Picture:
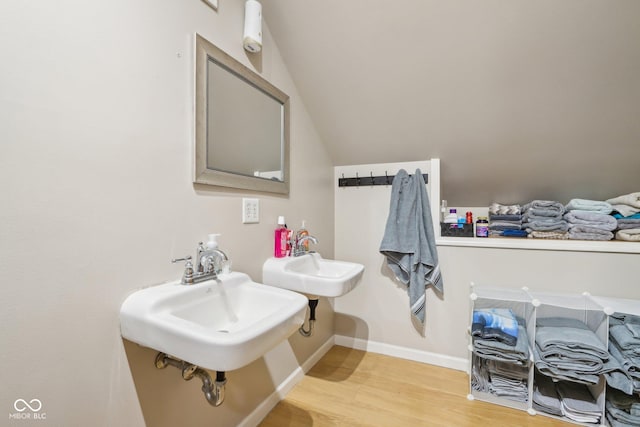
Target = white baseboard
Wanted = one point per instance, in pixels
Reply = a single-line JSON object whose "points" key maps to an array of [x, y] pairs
{"points": [[258, 414], [457, 363]]}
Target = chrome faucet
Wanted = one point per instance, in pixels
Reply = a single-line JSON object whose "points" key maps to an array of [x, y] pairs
{"points": [[299, 247], [207, 259], [208, 265]]}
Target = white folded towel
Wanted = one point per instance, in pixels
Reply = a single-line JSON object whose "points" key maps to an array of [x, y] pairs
{"points": [[588, 205], [630, 235], [627, 204]]}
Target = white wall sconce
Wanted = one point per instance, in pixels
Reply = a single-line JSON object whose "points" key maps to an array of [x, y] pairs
{"points": [[252, 36]]}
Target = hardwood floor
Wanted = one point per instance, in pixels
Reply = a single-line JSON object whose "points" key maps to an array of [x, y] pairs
{"points": [[354, 388]]}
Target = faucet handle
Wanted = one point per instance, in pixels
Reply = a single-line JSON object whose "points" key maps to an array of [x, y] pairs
{"points": [[187, 277]]}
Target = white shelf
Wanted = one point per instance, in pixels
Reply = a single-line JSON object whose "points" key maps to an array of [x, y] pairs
{"points": [[610, 246]]}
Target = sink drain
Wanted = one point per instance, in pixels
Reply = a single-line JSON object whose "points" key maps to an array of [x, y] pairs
{"points": [[224, 331]]}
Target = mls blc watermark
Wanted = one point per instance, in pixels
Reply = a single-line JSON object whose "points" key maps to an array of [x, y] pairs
{"points": [[31, 410]]}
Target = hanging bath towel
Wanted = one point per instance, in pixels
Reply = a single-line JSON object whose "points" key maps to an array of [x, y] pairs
{"points": [[409, 240]]}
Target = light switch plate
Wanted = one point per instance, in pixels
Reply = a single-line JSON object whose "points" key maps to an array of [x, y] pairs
{"points": [[250, 211]]}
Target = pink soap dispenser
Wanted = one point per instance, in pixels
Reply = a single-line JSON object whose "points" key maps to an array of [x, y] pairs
{"points": [[281, 239]]}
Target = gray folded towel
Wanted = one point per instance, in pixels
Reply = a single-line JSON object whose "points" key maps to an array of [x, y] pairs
{"points": [[504, 225], [591, 219], [545, 225], [508, 381], [620, 418], [567, 349], [509, 370], [545, 397], [506, 217], [626, 223], [577, 403], [545, 208], [551, 370], [570, 334], [500, 379], [625, 337], [589, 205], [497, 350], [619, 380], [624, 401], [583, 232], [630, 366]]}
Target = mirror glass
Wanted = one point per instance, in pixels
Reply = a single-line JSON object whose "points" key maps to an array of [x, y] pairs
{"points": [[241, 125]]}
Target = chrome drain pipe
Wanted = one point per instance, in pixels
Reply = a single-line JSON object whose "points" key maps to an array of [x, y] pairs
{"points": [[313, 303], [213, 390]]}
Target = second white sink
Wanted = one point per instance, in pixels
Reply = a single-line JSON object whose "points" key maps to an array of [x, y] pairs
{"points": [[312, 275]]}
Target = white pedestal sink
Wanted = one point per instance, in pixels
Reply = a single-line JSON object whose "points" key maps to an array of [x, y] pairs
{"points": [[221, 324], [312, 275]]}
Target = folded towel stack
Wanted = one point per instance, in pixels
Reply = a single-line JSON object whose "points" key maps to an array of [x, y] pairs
{"points": [[628, 227], [624, 346], [500, 354], [505, 218], [627, 222], [544, 215], [545, 397], [627, 204], [577, 403], [564, 398], [566, 349], [500, 379], [588, 225], [622, 409]]}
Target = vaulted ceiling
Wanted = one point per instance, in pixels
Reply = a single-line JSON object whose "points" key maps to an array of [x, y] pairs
{"points": [[520, 99]]}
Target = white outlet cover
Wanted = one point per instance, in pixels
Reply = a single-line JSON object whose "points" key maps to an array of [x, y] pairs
{"points": [[212, 3]]}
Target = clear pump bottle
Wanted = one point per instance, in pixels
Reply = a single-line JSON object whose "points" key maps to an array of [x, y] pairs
{"points": [[302, 233]]}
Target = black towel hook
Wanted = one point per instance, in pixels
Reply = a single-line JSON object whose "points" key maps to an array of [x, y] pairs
{"points": [[386, 175]]}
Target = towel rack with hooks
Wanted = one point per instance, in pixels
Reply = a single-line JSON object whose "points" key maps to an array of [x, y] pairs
{"points": [[358, 181]]}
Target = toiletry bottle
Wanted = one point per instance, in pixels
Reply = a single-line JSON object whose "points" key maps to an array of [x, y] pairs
{"points": [[289, 241], [482, 227], [452, 218], [300, 234], [212, 243], [443, 210], [281, 239]]}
